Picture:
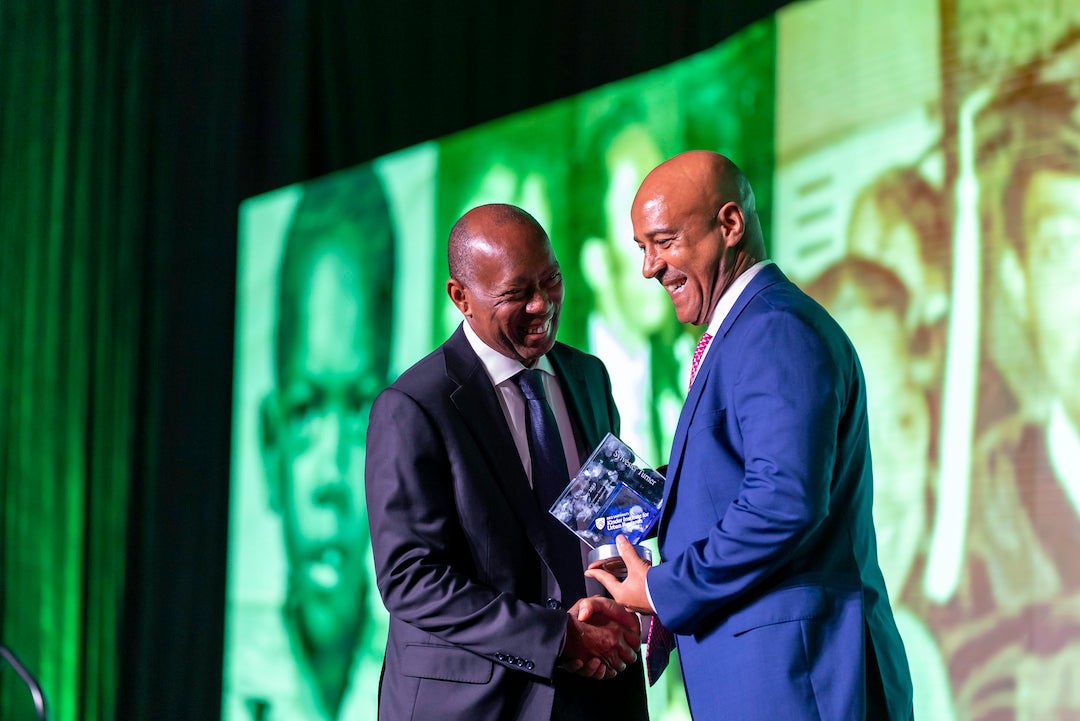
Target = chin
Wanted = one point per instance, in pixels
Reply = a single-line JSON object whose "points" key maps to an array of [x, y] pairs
{"points": [[532, 352], [328, 625]]}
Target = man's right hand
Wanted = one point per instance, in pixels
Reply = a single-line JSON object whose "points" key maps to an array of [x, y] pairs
{"points": [[601, 638]]}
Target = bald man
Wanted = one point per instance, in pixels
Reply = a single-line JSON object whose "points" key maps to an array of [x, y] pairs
{"points": [[769, 576], [487, 619]]}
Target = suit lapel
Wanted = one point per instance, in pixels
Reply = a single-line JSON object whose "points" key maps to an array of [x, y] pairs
{"points": [[581, 401], [766, 277], [678, 443], [481, 413]]}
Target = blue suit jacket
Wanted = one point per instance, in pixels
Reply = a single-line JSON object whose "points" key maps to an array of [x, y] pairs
{"points": [[770, 577]]}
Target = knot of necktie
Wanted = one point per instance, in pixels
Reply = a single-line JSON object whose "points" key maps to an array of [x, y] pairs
{"points": [[531, 383], [699, 352]]}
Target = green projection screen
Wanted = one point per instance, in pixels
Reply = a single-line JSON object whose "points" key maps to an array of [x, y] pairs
{"points": [[918, 169]]}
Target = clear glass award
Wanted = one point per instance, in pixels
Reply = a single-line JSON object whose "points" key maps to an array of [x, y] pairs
{"points": [[614, 493]]}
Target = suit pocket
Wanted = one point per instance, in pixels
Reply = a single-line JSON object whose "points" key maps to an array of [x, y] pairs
{"points": [[445, 663], [796, 603], [708, 421]]}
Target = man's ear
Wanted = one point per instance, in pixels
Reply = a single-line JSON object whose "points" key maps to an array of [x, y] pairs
{"points": [[732, 222], [459, 296], [270, 447]]}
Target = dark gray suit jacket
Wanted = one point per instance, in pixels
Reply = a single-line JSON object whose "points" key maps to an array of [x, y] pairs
{"points": [[458, 547]]}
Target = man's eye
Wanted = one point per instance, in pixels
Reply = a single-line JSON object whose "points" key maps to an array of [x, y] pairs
{"points": [[300, 409]]}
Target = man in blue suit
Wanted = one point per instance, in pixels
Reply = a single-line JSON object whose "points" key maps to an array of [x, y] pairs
{"points": [[770, 579]]}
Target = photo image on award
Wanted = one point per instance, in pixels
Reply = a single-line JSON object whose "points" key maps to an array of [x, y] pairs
{"points": [[614, 493]]}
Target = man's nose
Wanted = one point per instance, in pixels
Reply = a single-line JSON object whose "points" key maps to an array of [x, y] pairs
{"points": [[651, 263], [335, 444], [538, 302]]}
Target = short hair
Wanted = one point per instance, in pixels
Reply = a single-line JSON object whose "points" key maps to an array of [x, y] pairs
{"points": [[354, 201], [876, 285], [1032, 124], [460, 247], [902, 195]]}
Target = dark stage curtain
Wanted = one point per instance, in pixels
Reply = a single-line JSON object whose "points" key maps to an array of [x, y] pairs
{"points": [[129, 133]]}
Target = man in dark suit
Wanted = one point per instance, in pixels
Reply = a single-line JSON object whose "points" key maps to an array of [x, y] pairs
{"points": [[770, 578], [487, 619]]}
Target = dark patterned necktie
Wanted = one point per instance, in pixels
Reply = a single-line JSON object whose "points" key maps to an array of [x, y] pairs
{"points": [[549, 479]]}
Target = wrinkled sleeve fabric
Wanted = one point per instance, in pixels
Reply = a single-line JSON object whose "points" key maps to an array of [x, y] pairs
{"points": [[426, 558]]}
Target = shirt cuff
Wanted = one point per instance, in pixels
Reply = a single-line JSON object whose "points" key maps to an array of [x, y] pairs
{"points": [[649, 595]]}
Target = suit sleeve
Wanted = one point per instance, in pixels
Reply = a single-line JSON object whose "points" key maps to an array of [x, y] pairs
{"points": [[424, 559], [785, 403]]}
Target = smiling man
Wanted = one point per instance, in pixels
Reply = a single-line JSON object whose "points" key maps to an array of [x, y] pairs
{"points": [[484, 587], [770, 578]]}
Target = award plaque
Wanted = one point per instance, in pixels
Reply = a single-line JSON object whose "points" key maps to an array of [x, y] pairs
{"points": [[614, 492]]}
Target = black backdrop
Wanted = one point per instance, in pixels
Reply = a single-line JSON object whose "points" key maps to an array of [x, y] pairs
{"points": [[154, 120]]}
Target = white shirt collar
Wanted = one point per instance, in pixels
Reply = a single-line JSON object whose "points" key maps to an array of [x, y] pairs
{"points": [[500, 368], [727, 300]]}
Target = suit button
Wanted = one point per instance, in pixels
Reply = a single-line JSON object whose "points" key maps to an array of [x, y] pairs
{"points": [[553, 604], [529, 665], [500, 657], [519, 662]]}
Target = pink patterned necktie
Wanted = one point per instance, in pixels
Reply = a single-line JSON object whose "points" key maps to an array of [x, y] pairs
{"points": [[698, 353], [660, 640]]}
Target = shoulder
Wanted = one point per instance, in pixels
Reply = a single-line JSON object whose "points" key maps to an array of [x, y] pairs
{"points": [[569, 354], [424, 373], [426, 383], [575, 363], [784, 326]]}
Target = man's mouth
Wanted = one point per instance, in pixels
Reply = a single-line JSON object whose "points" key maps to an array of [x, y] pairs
{"points": [[324, 568], [675, 285], [538, 328]]}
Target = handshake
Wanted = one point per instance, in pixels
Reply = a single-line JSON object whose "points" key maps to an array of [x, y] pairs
{"points": [[602, 638]]}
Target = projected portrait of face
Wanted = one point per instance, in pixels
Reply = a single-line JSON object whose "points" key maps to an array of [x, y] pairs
{"points": [[870, 303], [1030, 157], [1051, 261], [333, 330], [611, 262], [898, 220], [631, 325]]}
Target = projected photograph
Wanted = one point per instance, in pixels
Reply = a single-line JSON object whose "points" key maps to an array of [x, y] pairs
{"points": [[306, 626], [917, 167]]}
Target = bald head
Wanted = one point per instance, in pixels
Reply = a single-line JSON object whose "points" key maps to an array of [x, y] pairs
{"points": [[695, 218], [701, 182], [477, 232]]}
